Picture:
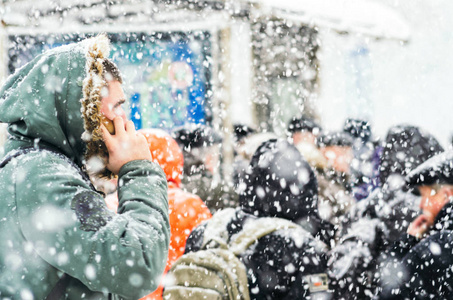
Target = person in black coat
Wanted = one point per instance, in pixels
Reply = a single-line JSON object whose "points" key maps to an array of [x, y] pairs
{"points": [[365, 162], [201, 148], [419, 265], [279, 184], [374, 224]]}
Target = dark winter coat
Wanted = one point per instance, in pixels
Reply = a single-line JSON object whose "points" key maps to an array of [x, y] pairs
{"points": [[373, 224], [334, 195], [414, 269], [52, 219], [276, 264], [279, 183], [405, 148]]}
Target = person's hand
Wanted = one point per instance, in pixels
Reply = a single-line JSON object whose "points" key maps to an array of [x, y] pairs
{"points": [[419, 226], [125, 145]]}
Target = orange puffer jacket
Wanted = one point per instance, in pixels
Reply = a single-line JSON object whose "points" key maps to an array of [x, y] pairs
{"points": [[186, 210]]}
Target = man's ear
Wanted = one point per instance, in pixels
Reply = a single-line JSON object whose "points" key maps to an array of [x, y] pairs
{"points": [[448, 190]]}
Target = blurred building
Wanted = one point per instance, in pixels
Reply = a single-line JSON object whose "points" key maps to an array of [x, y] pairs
{"points": [[197, 61]]}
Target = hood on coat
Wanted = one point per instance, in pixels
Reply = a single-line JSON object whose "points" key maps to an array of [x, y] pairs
{"points": [[405, 148], [55, 99], [436, 170], [279, 183], [166, 153]]}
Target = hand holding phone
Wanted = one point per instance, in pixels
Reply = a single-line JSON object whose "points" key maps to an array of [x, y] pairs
{"points": [[125, 145]]}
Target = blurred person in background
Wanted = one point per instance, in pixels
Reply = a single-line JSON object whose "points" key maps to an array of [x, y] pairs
{"points": [[200, 145], [280, 186], [241, 133], [58, 238], [419, 265], [335, 198], [366, 154], [304, 133], [377, 222]]}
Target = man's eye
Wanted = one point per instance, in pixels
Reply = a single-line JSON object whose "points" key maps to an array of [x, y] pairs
{"points": [[118, 109]]}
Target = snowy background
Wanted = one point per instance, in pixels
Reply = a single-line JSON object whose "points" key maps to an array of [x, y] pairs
{"points": [[410, 83], [385, 81]]}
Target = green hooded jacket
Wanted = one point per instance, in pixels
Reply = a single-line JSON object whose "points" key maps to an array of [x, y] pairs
{"points": [[52, 220]]}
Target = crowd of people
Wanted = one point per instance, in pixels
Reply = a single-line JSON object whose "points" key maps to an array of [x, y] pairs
{"points": [[379, 207], [94, 209]]}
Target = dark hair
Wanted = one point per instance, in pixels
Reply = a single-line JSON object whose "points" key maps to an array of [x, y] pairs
{"points": [[241, 131], [112, 69], [303, 123], [279, 183], [358, 128], [196, 136], [338, 138]]}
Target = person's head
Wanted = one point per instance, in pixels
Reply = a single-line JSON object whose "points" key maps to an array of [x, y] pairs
{"points": [[337, 149], [201, 147], [103, 96], [434, 181], [252, 142], [241, 132], [56, 101], [279, 183], [405, 147], [358, 129], [166, 153], [303, 129]]}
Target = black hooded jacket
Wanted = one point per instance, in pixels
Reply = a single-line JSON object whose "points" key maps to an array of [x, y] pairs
{"points": [[415, 269], [276, 264], [280, 184], [386, 214]]}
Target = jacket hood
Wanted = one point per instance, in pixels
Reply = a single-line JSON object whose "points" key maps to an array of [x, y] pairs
{"points": [[55, 99], [166, 153], [405, 148], [436, 170], [279, 183]]}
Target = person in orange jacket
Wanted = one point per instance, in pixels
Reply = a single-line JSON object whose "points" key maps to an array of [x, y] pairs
{"points": [[186, 210]]}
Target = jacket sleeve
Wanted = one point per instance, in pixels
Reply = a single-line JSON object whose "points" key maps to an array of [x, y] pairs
{"points": [[424, 272], [395, 269], [401, 247], [70, 227]]}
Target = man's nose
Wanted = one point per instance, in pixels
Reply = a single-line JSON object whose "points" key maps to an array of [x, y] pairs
{"points": [[423, 203], [122, 114]]}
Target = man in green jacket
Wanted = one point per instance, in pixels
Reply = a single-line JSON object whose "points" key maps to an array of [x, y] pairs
{"points": [[58, 240]]}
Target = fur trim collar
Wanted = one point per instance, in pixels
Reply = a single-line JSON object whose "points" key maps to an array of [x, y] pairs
{"points": [[94, 84]]}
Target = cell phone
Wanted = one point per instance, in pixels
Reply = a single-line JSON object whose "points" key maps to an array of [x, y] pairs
{"points": [[108, 124]]}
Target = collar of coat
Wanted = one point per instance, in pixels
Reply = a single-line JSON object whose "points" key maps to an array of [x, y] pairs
{"points": [[444, 220]]}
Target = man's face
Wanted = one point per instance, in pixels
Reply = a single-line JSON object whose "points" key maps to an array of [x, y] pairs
{"points": [[210, 156], [111, 102], [304, 136], [339, 157], [434, 199]]}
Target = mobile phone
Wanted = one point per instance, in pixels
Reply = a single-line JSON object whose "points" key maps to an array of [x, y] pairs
{"points": [[108, 124]]}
